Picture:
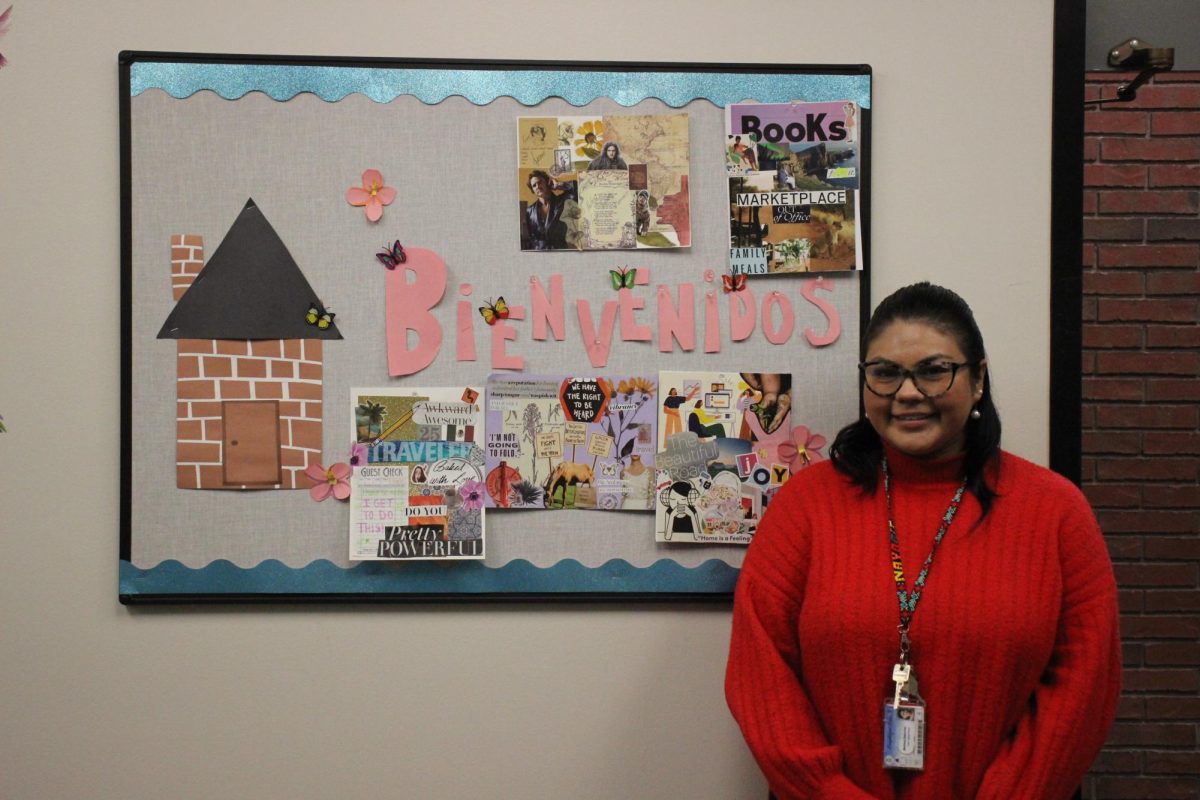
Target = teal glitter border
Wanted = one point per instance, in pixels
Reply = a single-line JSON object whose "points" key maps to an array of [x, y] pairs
{"points": [[482, 86], [519, 576]]}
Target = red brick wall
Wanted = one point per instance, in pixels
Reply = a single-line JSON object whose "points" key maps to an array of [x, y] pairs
{"points": [[1141, 417]]}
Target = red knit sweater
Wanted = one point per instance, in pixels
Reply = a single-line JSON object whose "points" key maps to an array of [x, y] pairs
{"points": [[1014, 640]]}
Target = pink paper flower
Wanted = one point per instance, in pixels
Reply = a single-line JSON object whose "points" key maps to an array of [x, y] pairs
{"points": [[372, 194], [333, 481], [803, 449], [358, 454], [471, 493]]}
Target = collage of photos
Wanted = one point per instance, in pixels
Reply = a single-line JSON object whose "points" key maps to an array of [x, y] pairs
{"points": [[604, 183], [416, 480], [705, 451], [560, 442], [721, 462], [793, 173]]}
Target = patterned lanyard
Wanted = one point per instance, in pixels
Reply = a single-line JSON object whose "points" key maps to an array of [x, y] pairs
{"points": [[908, 602]]}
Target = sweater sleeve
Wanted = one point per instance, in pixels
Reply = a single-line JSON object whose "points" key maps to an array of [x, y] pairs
{"points": [[762, 682], [1068, 717]]}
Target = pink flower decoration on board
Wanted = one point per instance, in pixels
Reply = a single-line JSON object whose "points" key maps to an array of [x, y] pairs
{"points": [[372, 194], [803, 449], [333, 481], [471, 493], [358, 454]]}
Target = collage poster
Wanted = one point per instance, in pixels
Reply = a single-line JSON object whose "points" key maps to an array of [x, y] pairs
{"points": [[604, 182], [719, 464], [793, 172], [416, 482], [559, 442]]}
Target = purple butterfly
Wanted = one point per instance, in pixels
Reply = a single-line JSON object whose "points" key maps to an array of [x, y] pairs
{"points": [[4, 20], [391, 256]]}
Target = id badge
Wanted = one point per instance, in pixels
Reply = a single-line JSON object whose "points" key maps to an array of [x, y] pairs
{"points": [[904, 735]]}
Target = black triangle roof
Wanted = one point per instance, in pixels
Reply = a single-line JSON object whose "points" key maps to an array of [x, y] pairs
{"points": [[251, 288]]}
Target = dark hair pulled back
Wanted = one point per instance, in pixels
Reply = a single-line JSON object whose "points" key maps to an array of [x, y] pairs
{"points": [[857, 451]]}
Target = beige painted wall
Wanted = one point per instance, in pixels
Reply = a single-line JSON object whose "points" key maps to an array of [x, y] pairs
{"points": [[476, 701]]}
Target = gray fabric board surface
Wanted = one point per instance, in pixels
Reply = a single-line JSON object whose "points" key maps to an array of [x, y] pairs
{"points": [[195, 162]]}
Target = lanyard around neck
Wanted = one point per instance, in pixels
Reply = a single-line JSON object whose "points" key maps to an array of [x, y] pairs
{"points": [[908, 602]]}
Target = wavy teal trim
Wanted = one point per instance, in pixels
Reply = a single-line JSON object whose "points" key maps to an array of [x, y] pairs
{"points": [[426, 577], [482, 86]]}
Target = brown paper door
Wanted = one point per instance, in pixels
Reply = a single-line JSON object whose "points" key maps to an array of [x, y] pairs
{"points": [[251, 443]]}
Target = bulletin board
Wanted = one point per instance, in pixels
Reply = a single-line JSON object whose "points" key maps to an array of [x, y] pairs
{"points": [[315, 172]]}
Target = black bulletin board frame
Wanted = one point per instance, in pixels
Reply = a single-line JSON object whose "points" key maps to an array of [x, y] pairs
{"points": [[190, 588]]}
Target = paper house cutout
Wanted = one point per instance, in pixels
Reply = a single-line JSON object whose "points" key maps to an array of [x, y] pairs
{"points": [[249, 365]]}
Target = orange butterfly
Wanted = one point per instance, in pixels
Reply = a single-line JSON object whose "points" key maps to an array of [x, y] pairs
{"points": [[491, 312], [733, 283]]}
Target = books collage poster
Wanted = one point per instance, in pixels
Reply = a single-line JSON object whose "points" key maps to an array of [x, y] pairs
{"points": [[793, 172]]}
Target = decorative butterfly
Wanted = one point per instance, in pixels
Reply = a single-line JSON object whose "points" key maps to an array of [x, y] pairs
{"points": [[733, 283], [491, 313], [318, 316], [391, 256], [622, 278], [5, 18]]}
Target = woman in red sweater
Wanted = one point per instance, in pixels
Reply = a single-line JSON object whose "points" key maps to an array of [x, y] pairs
{"points": [[922, 549]]}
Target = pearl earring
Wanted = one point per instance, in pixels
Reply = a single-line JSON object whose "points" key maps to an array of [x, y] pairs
{"points": [[975, 413]]}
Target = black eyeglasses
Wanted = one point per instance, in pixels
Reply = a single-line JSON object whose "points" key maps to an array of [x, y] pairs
{"points": [[933, 380]]}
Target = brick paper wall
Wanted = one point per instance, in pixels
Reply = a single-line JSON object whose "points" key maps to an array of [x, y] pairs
{"points": [[287, 370], [1141, 417], [187, 259]]}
